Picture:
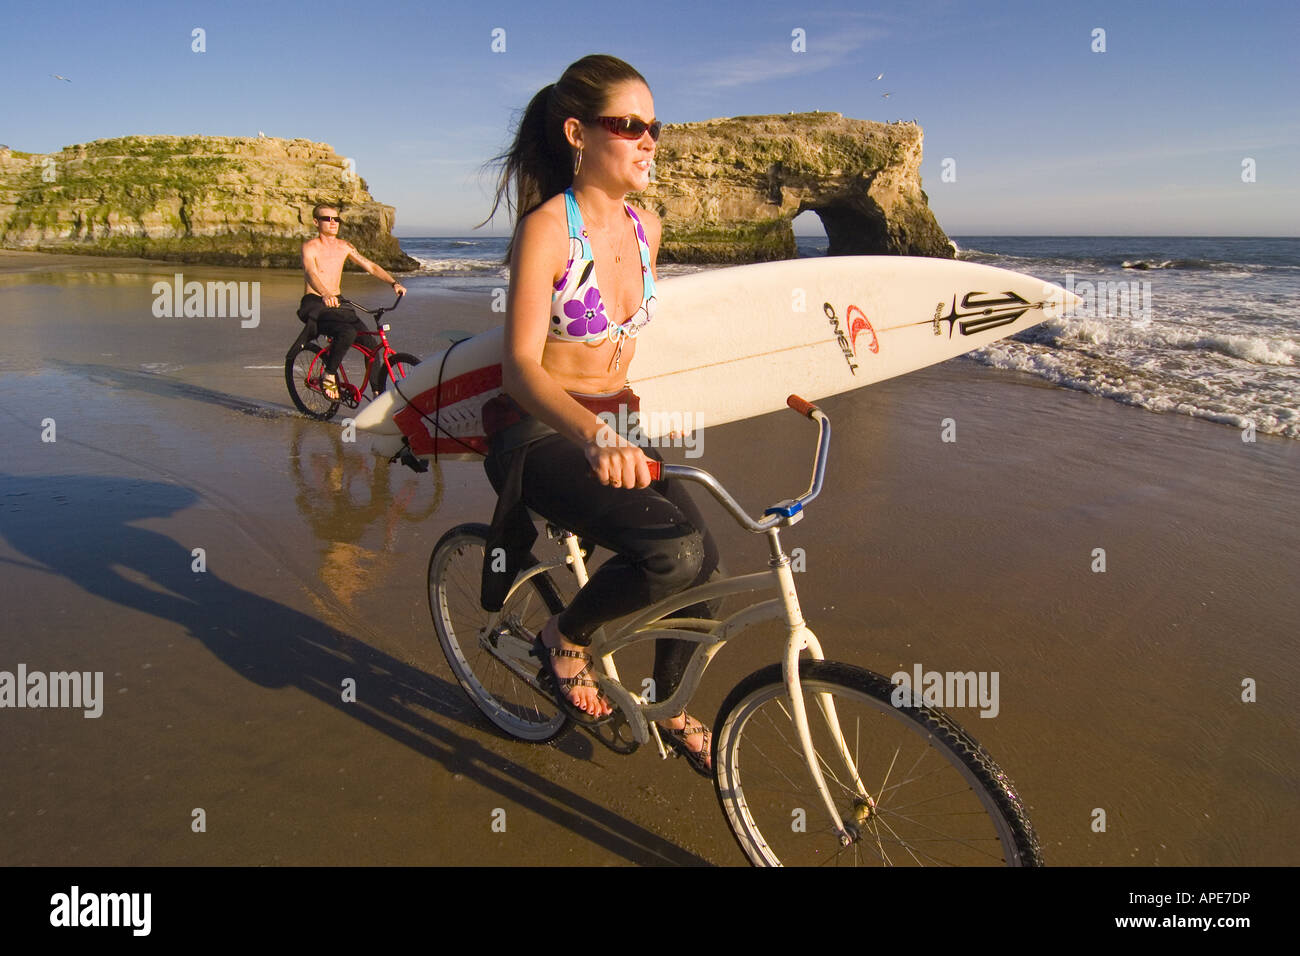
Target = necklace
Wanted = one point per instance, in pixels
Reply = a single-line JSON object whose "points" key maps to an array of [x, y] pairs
{"points": [[622, 239]]}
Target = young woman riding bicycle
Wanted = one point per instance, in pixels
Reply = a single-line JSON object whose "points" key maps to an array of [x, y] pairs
{"points": [[582, 273]]}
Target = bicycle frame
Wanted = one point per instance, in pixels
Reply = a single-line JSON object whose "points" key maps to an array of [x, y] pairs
{"points": [[381, 350], [711, 635]]}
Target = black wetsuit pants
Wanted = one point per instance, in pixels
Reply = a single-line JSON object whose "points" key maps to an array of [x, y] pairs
{"points": [[341, 323], [660, 543]]}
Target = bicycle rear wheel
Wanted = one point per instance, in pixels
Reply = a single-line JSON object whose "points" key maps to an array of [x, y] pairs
{"points": [[302, 372], [469, 635], [934, 797]]}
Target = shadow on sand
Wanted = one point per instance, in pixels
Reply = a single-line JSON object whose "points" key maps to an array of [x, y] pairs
{"points": [[275, 646], [160, 385]]}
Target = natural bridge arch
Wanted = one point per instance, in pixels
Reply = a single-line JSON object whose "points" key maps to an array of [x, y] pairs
{"points": [[729, 189]]}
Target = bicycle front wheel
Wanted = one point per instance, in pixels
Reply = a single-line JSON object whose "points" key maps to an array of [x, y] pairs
{"points": [[401, 364], [474, 639], [911, 787]]}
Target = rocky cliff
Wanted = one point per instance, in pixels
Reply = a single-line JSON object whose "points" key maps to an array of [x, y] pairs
{"points": [[728, 189], [215, 199]]}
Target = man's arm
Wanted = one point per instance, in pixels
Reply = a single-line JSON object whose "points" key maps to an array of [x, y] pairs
{"points": [[375, 270]]}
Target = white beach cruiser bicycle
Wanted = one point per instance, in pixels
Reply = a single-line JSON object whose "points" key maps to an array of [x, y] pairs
{"points": [[814, 763]]}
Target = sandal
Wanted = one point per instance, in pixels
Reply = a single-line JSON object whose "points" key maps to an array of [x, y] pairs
{"points": [[701, 760], [329, 386], [559, 685]]}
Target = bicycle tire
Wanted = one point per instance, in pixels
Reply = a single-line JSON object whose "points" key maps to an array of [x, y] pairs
{"points": [[455, 575], [960, 808], [300, 366], [400, 362]]}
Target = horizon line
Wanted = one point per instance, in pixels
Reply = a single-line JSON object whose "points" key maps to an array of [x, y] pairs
{"points": [[951, 235]]}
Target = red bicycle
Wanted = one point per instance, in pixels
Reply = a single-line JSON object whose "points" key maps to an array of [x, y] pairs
{"points": [[368, 363]]}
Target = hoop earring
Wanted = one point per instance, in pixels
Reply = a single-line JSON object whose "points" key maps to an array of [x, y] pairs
{"points": [[577, 162]]}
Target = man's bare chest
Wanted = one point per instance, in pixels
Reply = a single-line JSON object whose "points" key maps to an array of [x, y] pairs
{"points": [[330, 259]]}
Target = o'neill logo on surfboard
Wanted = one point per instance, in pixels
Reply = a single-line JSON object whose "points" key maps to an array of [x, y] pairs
{"points": [[856, 323], [986, 313]]}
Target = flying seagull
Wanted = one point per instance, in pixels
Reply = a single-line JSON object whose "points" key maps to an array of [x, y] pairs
{"points": [[880, 76], [885, 96], [63, 78]]}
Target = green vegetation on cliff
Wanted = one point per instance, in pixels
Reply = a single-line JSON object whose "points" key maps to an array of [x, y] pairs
{"points": [[765, 241], [226, 200]]}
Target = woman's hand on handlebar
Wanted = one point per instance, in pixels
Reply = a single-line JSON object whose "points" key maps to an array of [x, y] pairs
{"points": [[616, 461]]}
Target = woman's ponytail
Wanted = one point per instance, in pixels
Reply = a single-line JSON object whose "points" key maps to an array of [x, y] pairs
{"points": [[539, 163]]}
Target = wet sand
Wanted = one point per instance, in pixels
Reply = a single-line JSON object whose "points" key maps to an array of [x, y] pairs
{"points": [[224, 688]]}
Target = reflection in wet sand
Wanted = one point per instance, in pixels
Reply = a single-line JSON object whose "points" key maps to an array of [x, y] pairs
{"points": [[343, 495]]}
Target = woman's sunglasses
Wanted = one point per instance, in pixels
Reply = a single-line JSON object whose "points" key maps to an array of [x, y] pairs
{"points": [[630, 127]]}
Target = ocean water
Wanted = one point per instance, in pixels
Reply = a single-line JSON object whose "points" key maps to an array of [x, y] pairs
{"points": [[470, 263], [475, 263], [1200, 326]]}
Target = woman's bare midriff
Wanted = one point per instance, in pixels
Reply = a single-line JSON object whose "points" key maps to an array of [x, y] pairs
{"points": [[579, 367]]}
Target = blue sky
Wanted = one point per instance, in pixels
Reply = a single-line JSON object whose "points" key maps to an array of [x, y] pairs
{"points": [[1046, 136]]}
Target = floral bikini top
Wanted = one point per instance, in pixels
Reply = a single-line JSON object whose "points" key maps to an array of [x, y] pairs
{"points": [[577, 309]]}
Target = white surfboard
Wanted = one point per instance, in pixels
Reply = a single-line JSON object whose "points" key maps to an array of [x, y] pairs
{"points": [[730, 344]]}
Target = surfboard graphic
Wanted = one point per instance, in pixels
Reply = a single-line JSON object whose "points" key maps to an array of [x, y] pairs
{"points": [[731, 344]]}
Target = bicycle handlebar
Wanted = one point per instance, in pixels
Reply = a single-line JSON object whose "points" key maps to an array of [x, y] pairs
{"points": [[375, 312], [779, 513]]}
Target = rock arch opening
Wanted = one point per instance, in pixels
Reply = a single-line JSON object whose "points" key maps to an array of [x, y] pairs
{"points": [[852, 229], [809, 234]]}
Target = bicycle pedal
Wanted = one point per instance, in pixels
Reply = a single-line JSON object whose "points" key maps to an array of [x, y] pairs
{"points": [[407, 458]]}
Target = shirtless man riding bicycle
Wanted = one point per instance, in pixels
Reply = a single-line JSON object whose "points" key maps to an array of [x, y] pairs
{"points": [[323, 259]]}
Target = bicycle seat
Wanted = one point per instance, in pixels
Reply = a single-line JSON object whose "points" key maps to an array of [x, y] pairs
{"points": [[555, 531], [308, 333]]}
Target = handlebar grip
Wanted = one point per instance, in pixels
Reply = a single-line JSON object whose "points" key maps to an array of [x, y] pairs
{"points": [[801, 406]]}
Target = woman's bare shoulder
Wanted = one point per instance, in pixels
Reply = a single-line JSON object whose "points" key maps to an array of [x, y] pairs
{"points": [[541, 244], [546, 220], [542, 234]]}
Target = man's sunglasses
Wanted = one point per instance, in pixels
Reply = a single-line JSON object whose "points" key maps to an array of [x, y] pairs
{"points": [[630, 127], [328, 219]]}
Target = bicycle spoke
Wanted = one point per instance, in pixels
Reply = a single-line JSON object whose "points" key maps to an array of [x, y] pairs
{"points": [[910, 844], [794, 746], [795, 792]]}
